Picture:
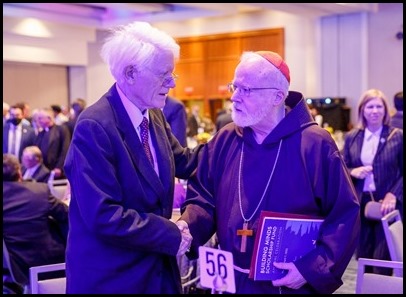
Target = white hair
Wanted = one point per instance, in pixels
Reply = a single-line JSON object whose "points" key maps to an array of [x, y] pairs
{"points": [[135, 44]]}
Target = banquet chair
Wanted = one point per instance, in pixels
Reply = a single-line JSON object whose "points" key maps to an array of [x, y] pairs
{"points": [[42, 285], [393, 228], [58, 187], [371, 283], [14, 280]]}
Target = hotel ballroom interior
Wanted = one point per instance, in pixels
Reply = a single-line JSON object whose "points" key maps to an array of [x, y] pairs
{"points": [[335, 52]]}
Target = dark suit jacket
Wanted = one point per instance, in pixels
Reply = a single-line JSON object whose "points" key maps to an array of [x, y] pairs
{"points": [[54, 146], [120, 237], [222, 120], [27, 138], [397, 120], [192, 126], [26, 230], [387, 164], [41, 174], [175, 113]]}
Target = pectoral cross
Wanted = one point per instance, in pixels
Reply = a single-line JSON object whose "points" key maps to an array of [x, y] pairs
{"points": [[244, 232]]}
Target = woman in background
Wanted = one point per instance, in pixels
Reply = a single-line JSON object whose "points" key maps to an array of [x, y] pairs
{"points": [[373, 153]]}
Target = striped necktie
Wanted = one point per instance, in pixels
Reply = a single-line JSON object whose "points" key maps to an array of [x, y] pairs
{"points": [[144, 139]]}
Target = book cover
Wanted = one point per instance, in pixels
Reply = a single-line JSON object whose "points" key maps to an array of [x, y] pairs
{"points": [[281, 237]]}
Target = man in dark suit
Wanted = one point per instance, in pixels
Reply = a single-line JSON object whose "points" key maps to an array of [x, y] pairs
{"points": [[193, 121], [397, 119], [175, 114], [121, 166], [17, 135], [225, 117], [53, 141], [33, 166], [77, 106], [27, 207]]}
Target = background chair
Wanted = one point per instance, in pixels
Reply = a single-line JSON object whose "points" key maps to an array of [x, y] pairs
{"points": [[370, 283], [14, 281], [393, 227], [58, 187], [48, 285]]}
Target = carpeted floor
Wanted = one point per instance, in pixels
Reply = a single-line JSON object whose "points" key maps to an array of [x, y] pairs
{"points": [[349, 278]]}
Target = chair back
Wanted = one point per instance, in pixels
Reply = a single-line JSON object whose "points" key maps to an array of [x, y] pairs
{"points": [[16, 274], [56, 285], [393, 228], [370, 283], [58, 187]]}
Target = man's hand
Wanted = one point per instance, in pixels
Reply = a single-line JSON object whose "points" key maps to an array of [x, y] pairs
{"points": [[292, 280], [186, 237]]}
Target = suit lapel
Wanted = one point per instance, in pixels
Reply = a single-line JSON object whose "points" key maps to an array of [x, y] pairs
{"points": [[133, 143], [359, 139], [383, 139]]}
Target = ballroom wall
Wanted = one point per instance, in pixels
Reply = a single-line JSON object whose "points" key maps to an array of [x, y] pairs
{"points": [[340, 55]]}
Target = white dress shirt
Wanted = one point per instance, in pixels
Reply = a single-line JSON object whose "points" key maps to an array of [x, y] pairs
{"points": [[18, 130]]}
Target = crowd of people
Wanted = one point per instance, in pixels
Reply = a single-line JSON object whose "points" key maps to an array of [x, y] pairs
{"points": [[124, 153], [46, 128], [34, 151]]}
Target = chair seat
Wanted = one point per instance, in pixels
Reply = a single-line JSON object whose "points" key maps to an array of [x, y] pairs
{"points": [[56, 285], [383, 284], [370, 283], [52, 286]]}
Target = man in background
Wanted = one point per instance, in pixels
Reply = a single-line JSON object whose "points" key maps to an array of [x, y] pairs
{"points": [[53, 141], [397, 118], [225, 117], [59, 117], [193, 121], [33, 166], [29, 215], [77, 107], [175, 113], [16, 134], [25, 107]]}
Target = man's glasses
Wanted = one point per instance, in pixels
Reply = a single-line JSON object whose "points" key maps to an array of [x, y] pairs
{"points": [[232, 88], [166, 78], [173, 77]]}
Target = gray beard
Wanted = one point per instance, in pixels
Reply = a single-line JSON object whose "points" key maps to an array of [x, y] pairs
{"points": [[247, 120]]}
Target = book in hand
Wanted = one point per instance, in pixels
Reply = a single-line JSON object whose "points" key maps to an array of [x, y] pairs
{"points": [[281, 237]]}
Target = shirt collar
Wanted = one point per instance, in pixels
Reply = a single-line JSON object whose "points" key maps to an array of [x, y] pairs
{"points": [[369, 134], [16, 127], [33, 169], [133, 111]]}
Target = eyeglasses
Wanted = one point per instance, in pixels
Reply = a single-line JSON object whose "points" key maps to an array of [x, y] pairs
{"points": [[166, 78], [169, 79], [232, 88]]}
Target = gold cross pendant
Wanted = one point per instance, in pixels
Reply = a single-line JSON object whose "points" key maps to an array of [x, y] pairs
{"points": [[244, 232]]}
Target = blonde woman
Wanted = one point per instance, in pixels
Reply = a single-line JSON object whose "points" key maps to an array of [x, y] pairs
{"points": [[373, 153]]}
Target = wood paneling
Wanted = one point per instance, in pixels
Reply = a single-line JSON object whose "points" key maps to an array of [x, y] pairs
{"points": [[207, 64]]}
